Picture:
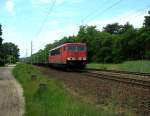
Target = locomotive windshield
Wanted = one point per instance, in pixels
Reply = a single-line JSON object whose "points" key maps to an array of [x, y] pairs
{"points": [[76, 48]]}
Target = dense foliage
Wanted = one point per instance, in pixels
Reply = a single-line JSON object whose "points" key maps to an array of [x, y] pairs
{"points": [[9, 52], [114, 44], [1, 48]]}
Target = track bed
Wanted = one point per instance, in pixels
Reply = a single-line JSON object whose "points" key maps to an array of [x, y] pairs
{"points": [[102, 92]]}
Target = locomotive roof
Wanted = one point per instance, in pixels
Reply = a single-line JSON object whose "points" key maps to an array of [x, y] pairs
{"points": [[77, 43]]}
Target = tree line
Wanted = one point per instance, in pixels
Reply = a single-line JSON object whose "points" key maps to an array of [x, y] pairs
{"points": [[9, 52], [114, 44]]}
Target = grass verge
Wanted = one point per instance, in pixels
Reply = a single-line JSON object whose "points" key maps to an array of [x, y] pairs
{"points": [[132, 66], [48, 97]]}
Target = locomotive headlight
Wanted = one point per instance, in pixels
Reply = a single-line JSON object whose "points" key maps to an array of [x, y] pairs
{"points": [[84, 58], [70, 58], [80, 58]]}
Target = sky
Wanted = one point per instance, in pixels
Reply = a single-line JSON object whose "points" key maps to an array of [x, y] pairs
{"points": [[44, 21]]}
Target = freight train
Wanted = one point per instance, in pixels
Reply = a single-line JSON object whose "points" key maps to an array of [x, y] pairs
{"points": [[67, 55]]}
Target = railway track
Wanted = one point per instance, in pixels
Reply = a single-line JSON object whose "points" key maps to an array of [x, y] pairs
{"points": [[119, 71], [138, 79]]}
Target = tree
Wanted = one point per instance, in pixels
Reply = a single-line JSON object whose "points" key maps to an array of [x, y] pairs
{"points": [[1, 47], [88, 35], [126, 27], [64, 40], [112, 28], [147, 20], [11, 52], [1, 35]]}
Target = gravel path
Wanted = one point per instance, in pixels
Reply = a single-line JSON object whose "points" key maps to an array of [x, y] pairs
{"points": [[11, 94]]}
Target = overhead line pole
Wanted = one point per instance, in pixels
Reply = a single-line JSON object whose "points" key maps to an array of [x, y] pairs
{"points": [[31, 51], [26, 55]]}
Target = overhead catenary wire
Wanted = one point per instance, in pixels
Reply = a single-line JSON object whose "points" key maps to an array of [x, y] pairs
{"points": [[137, 11], [134, 14], [92, 12], [50, 10], [45, 19], [37, 48], [104, 10], [100, 13], [140, 11]]}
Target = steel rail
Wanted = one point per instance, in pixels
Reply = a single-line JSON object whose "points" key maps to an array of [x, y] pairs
{"points": [[119, 71], [132, 81]]}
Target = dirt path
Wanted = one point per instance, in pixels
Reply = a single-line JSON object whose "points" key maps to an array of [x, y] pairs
{"points": [[11, 94]]}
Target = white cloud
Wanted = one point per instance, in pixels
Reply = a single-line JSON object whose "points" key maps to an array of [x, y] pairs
{"points": [[77, 1], [10, 6], [64, 14], [45, 1], [49, 36], [10, 34], [136, 19], [54, 23], [58, 2]]}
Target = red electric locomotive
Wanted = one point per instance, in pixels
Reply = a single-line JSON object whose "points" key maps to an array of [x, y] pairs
{"points": [[72, 55]]}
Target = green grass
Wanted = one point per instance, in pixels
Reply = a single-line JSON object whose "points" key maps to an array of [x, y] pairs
{"points": [[52, 100], [102, 66], [133, 66]]}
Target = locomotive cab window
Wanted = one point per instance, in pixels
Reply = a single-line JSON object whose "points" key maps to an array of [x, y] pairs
{"points": [[81, 48], [72, 48], [76, 48], [55, 52]]}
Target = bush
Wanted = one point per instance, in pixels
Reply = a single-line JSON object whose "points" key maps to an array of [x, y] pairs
{"points": [[147, 55]]}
